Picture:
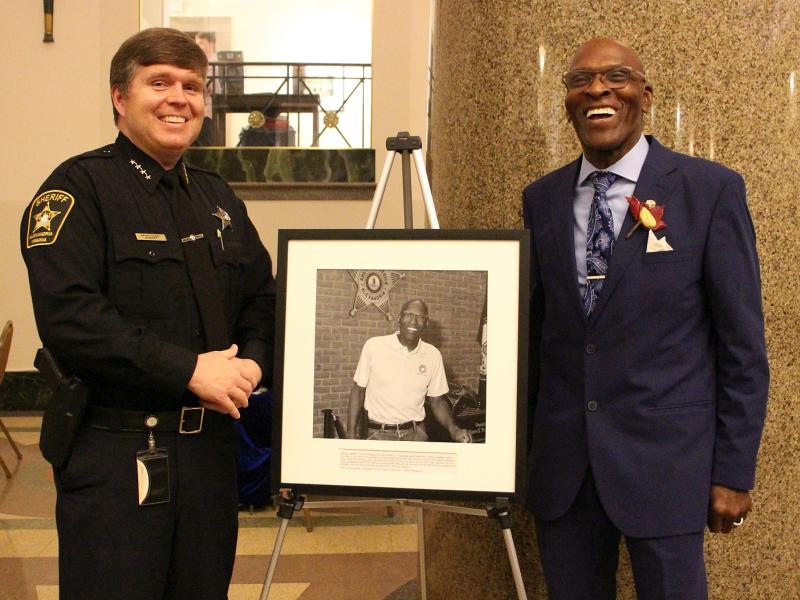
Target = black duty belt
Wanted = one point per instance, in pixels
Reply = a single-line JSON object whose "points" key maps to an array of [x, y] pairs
{"points": [[406, 425], [188, 419]]}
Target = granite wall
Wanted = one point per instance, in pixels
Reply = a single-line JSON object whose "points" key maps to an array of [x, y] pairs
{"points": [[724, 74]]}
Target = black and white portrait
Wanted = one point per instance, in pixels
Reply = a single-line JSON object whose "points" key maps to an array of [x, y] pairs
{"points": [[398, 355]]}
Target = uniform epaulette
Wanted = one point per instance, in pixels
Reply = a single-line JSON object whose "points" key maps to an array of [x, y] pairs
{"points": [[103, 152]]}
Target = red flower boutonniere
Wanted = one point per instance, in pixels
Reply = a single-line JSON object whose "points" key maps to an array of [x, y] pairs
{"points": [[647, 214]]}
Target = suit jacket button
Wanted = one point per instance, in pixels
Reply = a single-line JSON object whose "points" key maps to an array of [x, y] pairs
{"points": [[591, 348], [591, 405]]}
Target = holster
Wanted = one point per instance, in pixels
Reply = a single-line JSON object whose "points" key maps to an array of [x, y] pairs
{"points": [[64, 413]]}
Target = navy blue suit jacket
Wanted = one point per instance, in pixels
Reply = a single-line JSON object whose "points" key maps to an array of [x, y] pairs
{"points": [[663, 390]]}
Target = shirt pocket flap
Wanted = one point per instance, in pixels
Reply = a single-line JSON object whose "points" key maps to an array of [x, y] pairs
{"points": [[227, 253], [127, 247]]}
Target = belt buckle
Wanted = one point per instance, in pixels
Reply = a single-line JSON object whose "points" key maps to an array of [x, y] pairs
{"points": [[199, 427]]}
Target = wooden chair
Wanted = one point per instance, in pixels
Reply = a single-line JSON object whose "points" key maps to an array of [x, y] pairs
{"points": [[5, 347]]}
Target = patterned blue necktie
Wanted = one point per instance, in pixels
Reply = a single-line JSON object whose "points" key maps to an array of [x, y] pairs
{"points": [[599, 239]]}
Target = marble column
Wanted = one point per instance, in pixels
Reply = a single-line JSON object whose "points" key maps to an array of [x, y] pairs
{"points": [[725, 79]]}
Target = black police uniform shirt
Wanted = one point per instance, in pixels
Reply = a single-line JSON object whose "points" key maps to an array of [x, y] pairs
{"points": [[111, 291]]}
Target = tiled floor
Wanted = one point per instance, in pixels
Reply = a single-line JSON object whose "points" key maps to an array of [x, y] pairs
{"points": [[367, 556]]}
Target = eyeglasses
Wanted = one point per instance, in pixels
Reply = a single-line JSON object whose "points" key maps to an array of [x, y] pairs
{"points": [[409, 316], [614, 78]]}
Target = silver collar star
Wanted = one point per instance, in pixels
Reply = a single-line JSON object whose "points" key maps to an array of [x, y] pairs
{"points": [[141, 169], [224, 218]]}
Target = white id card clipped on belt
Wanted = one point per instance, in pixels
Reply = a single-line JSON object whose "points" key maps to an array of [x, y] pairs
{"points": [[152, 470]]}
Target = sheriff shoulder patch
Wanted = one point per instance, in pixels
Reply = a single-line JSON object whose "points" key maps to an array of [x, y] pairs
{"points": [[46, 215]]}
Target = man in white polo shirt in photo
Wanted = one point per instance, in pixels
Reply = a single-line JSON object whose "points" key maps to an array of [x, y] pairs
{"points": [[395, 374]]}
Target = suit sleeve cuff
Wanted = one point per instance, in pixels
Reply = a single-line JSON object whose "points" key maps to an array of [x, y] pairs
{"points": [[734, 480], [176, 367], [259, 351]]}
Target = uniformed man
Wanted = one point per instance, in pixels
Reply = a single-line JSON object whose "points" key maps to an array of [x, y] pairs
{"points": [[150, 283], [394, 375]]}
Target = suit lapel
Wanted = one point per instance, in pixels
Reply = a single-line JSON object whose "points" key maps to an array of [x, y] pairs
{"points": [[563, 194], [656, 181]]}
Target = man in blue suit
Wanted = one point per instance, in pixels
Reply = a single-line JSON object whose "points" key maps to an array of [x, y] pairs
{"points": [[649, 367]]}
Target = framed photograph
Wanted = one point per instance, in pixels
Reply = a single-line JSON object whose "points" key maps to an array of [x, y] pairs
{"points": [[401, 363]]}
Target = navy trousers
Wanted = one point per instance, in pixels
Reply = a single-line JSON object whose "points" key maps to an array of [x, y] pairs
{"points": [[580, 553]]}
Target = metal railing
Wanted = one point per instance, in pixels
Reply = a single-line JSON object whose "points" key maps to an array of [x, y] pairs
{"points": [[290, 104]]}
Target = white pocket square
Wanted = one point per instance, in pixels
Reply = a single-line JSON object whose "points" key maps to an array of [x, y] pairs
{"points": [[657, 245]]}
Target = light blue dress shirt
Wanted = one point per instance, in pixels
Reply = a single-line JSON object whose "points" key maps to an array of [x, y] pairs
{"points": [[627, 170]]}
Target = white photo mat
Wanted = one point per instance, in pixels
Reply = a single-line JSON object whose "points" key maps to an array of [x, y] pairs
{"points": [[488, 468]]}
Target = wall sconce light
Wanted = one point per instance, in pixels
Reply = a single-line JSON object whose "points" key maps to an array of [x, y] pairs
{"points": [[48, 21]]}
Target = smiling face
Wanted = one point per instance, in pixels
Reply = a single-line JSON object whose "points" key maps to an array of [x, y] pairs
{"points": [[161, 111], [412, 322], [608, 121]]}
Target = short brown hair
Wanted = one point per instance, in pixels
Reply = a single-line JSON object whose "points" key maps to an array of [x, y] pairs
{"points": [[155, 46]]}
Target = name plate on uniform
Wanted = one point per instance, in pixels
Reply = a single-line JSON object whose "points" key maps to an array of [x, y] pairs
{"points": [[151, 237]]}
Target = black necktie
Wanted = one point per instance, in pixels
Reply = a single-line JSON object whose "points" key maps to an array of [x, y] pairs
{"points": [[197, 254]]}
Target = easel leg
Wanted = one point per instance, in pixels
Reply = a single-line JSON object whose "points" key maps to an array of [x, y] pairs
{"points": [[514, 561], [425, 186], [286, 510], [423, 584], [500, 512], [408, 217], [307, 519], [380, 189]]}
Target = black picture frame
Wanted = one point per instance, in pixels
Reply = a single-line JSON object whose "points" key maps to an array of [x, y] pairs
{"points": [[309, 463]]}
